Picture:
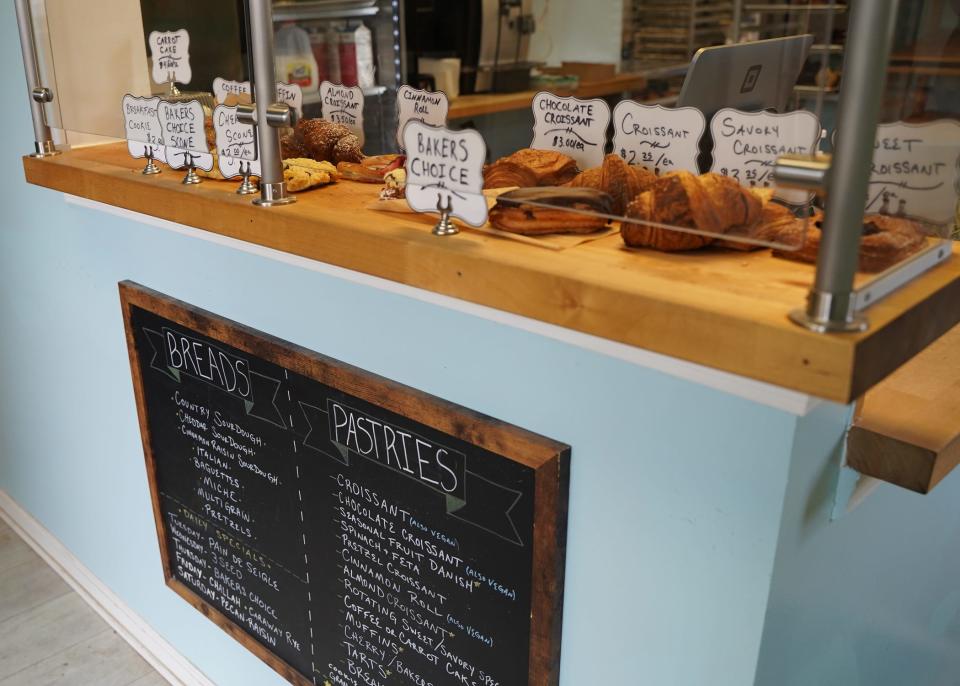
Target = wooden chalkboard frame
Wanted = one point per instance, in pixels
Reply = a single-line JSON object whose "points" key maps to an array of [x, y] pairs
{"points": [[549, 459]]}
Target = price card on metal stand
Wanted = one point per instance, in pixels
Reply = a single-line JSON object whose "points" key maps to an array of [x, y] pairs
{"points": [[170, 51], [746, 146], [343, 105], [445, 172], [184, 135], [577, 128], [658, 138], [224, 88], [142, 128], [915, 170], [236, 144], [414, 104]]}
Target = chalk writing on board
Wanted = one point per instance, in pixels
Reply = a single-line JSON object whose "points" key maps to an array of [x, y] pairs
{"points": [[915, 170], [445, 168], [577, 128], [170, 52], [657, 138], [414, 104], [746, 146], [356, 545]]}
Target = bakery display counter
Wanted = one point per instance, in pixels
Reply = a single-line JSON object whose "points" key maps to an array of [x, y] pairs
{"points": [[724, 310], [907, 428]]}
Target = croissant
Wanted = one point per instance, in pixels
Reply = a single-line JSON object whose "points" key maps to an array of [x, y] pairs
{"points": [[777, 224], [710, 203], [617, 178], [323, 141], [540, 168]]}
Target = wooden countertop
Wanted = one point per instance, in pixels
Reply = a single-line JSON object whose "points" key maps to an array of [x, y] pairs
{"points": [[477, 105], [725, 310], [907, 429]]}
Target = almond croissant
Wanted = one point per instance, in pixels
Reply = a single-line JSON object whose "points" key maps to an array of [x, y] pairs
{"points": [[710, 203]]}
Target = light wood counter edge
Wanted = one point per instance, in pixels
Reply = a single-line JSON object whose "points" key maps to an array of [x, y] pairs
{"points": [[907, 428], [576, 288]]}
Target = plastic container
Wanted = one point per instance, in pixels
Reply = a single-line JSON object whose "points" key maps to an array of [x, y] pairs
{"points": [[295, 62], [356, 57]]}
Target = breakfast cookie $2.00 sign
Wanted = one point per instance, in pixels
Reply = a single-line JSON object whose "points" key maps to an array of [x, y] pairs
{"points": [[445, 170]]}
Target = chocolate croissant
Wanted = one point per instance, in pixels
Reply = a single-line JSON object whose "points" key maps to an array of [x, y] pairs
{"points": [[710, 203], [617, 178], [528, 168], [536, 211], [323, 141]]}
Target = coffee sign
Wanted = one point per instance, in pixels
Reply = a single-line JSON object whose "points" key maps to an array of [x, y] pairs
{"points": [[343, 105], [414, 104], [660, 139], [170, 51], [746, 146], [915, 170], [445, 170], [577, 128], [223, 88]]}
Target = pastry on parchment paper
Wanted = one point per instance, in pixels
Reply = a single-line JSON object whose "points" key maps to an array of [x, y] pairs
{"points": [[301, 174], [538, 211]]}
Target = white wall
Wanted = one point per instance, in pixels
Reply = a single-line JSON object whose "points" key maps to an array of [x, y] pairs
{"points": [[577, 31]]}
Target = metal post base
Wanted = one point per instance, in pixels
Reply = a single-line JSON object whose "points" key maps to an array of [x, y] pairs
{"points": [[830, 313], [272, 194], [151, 168], [247, 187], [44, 149], [445, 227], [191, 179]]}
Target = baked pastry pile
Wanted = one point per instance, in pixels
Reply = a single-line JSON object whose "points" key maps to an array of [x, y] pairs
{"points": [[303, 174], [321, 140], [620, 180], [530, 168]]}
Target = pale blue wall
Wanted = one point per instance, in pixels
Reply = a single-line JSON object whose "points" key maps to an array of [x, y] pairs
{"points": [[676, 490]]}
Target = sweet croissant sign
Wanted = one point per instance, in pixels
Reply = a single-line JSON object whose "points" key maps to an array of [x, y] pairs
{"points": [[445, 170]]}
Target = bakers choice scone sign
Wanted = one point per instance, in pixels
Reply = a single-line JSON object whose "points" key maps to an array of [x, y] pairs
{"points": [[445, 170]]}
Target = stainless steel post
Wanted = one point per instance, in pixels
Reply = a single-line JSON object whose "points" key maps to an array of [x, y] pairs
{"points": [[273, 190], [39, 94], [831, 304], [736, 20]]}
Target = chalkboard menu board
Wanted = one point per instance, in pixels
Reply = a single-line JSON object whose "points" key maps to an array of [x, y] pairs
{"points": [[348, 530]]}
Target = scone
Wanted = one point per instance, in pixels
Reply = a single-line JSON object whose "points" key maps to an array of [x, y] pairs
{"points": [[302, 174]]}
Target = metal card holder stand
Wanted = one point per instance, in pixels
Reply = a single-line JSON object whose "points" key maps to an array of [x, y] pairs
{"points": [[151, 169], [445, 226], [247, 186], [39, 94], [192, 178]]}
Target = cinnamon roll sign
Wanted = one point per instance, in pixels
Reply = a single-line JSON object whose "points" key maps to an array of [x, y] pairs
{"points": [[575, 127]]}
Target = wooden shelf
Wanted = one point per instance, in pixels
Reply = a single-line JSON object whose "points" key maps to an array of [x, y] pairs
{"points": [[491, 103], [725, 310], [907, 430]]}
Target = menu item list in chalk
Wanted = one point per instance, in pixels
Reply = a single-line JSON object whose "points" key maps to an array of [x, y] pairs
{"points": [[344, 528]]}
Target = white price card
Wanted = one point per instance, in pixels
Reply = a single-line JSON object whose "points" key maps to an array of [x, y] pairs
{"points": [[343, 105], [915, 170], [746, 146], [184, 135], [236, 144], [222, 88], [414, 104], [142, 127], [658, 138], [290, 94], [577, 128], [445, 169], [170, 51]]}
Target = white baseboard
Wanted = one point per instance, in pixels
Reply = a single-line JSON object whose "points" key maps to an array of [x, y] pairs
{"points": [[162, 656]]}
